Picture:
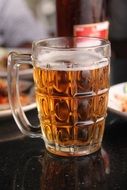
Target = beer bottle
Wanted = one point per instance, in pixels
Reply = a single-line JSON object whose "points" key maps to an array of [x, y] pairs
{"points": [[82, 18]]}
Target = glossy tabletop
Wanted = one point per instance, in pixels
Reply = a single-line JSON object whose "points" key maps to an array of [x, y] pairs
{"points": [[26, 165]]}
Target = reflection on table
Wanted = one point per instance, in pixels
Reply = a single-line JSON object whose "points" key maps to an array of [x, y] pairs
{"points": [[49, 172]]}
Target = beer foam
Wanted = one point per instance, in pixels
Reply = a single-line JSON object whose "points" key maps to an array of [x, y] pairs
{"points": [[71, 60]]}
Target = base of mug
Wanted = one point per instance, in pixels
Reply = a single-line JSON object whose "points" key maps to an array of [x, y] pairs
{"points": [[73, 151]]}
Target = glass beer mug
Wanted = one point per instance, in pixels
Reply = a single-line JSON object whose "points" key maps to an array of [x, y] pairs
{"points": [[71, 77]]}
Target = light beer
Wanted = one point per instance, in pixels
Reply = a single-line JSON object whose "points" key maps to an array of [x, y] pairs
{"points": [[71, 79], [72, 104]]}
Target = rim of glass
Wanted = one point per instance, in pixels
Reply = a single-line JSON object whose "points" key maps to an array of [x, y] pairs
{"points": [[37, 43]]}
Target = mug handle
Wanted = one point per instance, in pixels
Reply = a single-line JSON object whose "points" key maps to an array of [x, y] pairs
{"points": [[15, 60]]}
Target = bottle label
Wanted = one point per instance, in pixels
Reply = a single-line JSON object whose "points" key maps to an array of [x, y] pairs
{"points": [[93, 30]]}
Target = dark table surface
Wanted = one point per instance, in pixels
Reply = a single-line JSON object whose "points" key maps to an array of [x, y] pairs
{"points": [[26, 165]]}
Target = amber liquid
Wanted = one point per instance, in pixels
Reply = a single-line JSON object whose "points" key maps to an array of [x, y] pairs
{"points": [[72, 105]]}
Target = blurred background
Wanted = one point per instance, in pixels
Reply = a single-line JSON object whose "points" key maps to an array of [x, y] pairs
{"points": [[45, 11], [24, 21], [19, 17]]}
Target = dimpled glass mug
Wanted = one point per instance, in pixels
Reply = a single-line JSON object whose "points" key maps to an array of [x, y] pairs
{"points": [[71, 76]]}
